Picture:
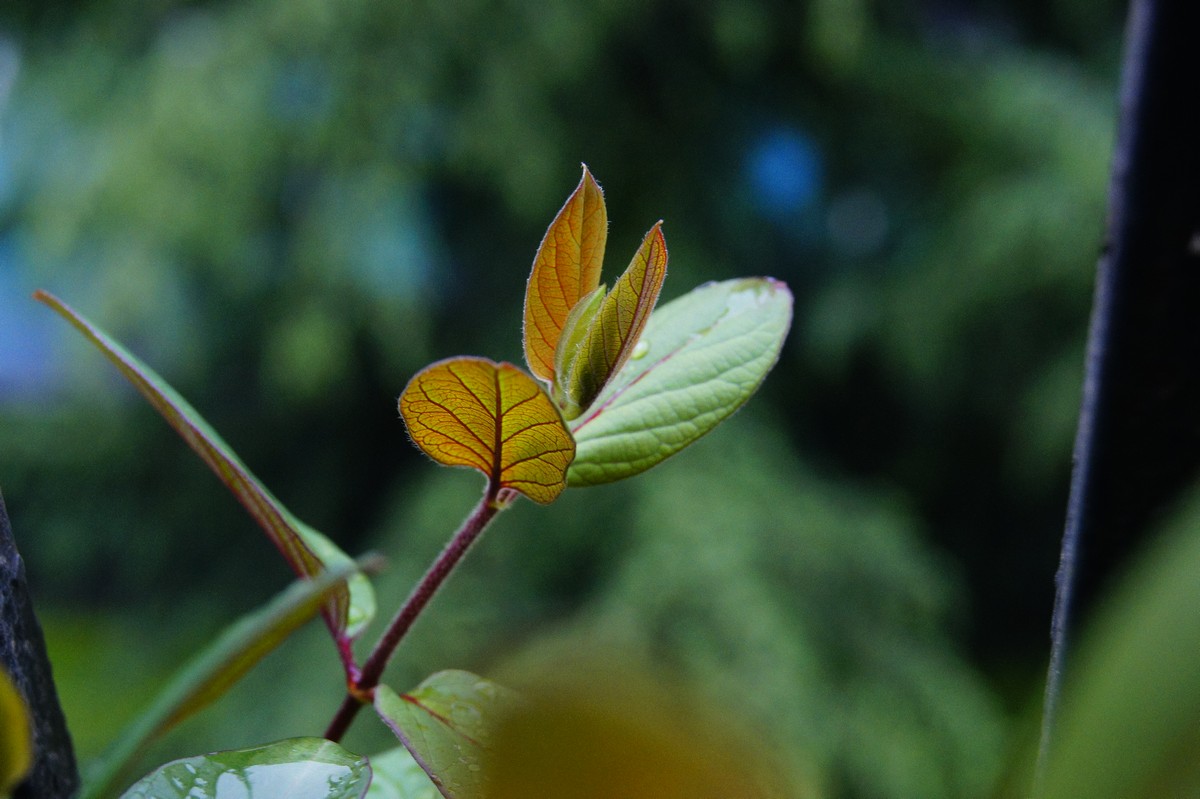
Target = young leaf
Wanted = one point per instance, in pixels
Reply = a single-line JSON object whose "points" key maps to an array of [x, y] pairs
{"points": [[396, 775], [494, 418], [566, 268], [615, 329], [299, 768], [214, 670], [699, 360], [574, 332], [446, 723], [306, 551]]}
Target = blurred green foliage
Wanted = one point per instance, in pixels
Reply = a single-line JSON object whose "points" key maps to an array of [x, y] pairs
{"points": [[287, 207], [1129, 722]]}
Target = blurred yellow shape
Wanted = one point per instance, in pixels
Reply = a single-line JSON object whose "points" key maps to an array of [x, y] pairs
{"points": [[16, 736], [619, 741]]}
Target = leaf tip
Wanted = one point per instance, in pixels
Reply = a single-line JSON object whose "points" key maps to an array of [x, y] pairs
{"points": [[660, 240], [46, 298], [587, 178]]}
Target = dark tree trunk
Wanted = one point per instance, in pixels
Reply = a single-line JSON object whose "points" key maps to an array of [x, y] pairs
{"points": [[23, 654], [1138, 445]]}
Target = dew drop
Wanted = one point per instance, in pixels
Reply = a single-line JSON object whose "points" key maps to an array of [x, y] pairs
{"points": [[640, 350]]}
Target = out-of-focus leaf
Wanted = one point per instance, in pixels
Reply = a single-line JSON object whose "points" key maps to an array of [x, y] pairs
{"points": [[397, 776], [446, 723], [599, 738], [1130, 726], [305, 550], [298, 768], [215, 670], [16, 737], [491, 417], [566, 268], [615, 328], [700, 358]]}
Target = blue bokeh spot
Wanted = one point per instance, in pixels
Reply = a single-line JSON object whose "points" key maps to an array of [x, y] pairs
{"points": [[783, 169], [26, 341]]}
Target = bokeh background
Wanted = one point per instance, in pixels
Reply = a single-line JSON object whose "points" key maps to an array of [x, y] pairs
{"points": [[287, 207]]}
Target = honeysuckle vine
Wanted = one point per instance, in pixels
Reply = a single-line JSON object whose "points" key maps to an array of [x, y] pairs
{"points": [[614, 387]]}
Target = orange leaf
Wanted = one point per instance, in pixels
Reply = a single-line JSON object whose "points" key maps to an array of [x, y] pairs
{"points": [[492, 417], [566, 268], [616, 327]]}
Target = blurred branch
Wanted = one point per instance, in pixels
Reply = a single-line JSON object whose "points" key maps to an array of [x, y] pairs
{"points": [[1138, 440], [23, 652]]}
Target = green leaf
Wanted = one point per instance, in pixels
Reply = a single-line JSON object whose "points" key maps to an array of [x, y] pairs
{"points": [[446, 723], [16, 736], [362, 594], [299, 768], [348, 610], [574, 331], [398, 776], [700, 358], [214, 670]]}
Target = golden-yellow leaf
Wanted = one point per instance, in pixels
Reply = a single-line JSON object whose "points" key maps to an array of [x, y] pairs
{"points": [[492, 417], [566, 268]]}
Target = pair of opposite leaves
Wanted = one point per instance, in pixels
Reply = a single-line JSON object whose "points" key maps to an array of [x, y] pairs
{"points": [[494, 417]]}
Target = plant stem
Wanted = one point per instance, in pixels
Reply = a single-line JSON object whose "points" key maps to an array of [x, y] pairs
{"points": [[361, 690], [54, 774], [1138, 444]]}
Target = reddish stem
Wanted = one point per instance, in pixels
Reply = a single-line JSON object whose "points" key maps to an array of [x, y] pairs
{"points": [[345, 647], [361, 690]]}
